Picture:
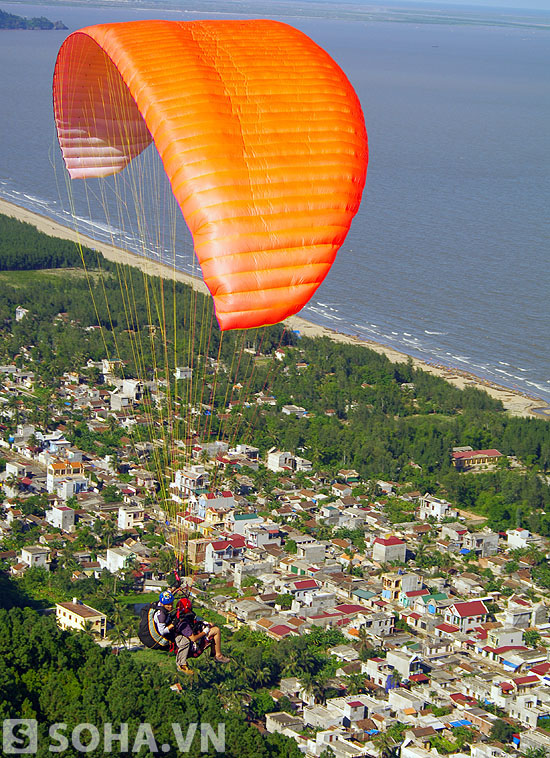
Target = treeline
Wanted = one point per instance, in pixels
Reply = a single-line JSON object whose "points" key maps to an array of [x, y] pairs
{"points": [[23, 247], [143, 319], [393, 415], [11, 21]]}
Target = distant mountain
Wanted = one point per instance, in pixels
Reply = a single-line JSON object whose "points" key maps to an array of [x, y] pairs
{"points": [[10, 21]]}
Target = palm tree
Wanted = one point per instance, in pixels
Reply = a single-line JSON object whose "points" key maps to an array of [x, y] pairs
{"points": [[312, 687], [88, 629], [290, 665], [116, 634], [262, 676], [387, 748]]}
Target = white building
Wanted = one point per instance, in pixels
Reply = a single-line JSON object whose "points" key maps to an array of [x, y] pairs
{"points": [[61, 517], [70, 486], [435, 507], [192, 480], [238, 522], [76, 615], [183, 372], [519, 538], [278, 460], [294, 410], [116, 559], [262, 535], [388, 549], [130, 516], [35, 556]]}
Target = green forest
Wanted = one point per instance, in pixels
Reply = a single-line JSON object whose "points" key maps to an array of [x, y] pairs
{"points": [[65, 677]]}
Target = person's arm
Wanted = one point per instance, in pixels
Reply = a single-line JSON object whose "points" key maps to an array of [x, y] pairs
{"points": [[197, 636], [163, 623]]}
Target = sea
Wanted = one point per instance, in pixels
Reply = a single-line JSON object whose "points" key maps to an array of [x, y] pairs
{"points": [[448, 257]]}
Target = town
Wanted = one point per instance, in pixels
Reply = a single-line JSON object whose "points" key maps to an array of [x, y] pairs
{"points": [[441, 623]]}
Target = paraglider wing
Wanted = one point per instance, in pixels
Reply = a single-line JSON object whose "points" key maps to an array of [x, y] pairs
{"points": [[260, 133]]}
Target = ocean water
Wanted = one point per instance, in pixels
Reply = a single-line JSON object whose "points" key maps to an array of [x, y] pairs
{"points": [[448, 256]]}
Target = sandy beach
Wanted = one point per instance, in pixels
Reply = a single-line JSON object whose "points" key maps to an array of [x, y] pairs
{"points": [[517, 403]]}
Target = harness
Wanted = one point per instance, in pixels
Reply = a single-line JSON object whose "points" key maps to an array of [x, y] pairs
{"points": [[148, 632]]}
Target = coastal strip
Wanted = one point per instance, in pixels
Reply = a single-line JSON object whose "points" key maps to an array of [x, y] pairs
{"points": [[516, 403]]}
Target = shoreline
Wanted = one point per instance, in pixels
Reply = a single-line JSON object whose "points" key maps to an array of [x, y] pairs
{"points": [[515, 402]]}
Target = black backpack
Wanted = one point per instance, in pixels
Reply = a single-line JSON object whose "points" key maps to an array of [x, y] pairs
{"points": [[148, 633]]}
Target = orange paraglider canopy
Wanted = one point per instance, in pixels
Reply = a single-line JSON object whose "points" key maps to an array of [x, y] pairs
{"points": [[260, 133]]}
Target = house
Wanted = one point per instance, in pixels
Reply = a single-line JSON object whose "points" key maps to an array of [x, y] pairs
{"points": [[519, 539], [237, 522], [219, 500], [483, 544], [183, 372], [262, 535], [394, 585], [196, 550], [280, 721], [130, 516], [192, 480], [63, 470], [474, 459], [61, 517], [434, 507], [116, 559], [35, 556], [467, 615], [388, 549], [405, 663], [222, 550], [294, 410], [78, 616], [278, 460]]}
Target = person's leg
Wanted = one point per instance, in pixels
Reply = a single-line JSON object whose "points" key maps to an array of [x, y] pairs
{"points": [[215, 634], [183, 645]]}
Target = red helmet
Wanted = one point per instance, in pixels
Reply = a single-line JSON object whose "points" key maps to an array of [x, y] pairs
{"points": [[184, 605]]}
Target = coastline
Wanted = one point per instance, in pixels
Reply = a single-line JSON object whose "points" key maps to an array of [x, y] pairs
{"points": [[516, 403]]}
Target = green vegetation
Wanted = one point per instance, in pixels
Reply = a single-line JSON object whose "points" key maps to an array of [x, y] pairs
{"points": [[65, 677], [392, 421], [11, 21]]}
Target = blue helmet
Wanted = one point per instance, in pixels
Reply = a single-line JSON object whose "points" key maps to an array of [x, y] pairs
{"points": [[166, 598]]}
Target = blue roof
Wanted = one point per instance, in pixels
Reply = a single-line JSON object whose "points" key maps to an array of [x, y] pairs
{"points": [[464, 551]]}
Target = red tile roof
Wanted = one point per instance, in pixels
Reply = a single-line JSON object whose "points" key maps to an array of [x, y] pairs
{"points": [[281, 630], [387, 541], [507, 648], [350, 608], [450, 628], [541, 669], [306, 584], [530, 679], [473, 453], [470, 608], [220, 545]]}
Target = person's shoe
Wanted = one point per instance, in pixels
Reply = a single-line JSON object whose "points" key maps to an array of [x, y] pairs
{"points": [[184, 669], [222, 659]]}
